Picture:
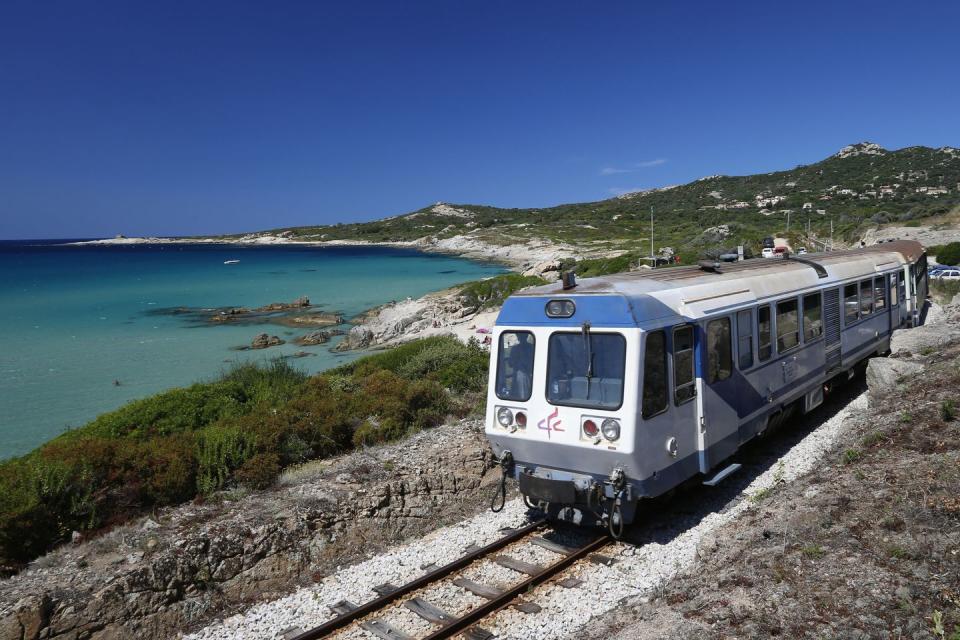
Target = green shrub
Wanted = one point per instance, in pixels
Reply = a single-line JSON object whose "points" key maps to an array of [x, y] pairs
{"points": [[484, 294], [948, 254], [221, 449], [948, 410]]}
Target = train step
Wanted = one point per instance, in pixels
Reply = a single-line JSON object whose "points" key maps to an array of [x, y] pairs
{"points": [[721, 475]]}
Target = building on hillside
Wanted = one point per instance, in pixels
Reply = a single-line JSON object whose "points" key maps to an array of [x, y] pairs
{"points": [[808, 205]]}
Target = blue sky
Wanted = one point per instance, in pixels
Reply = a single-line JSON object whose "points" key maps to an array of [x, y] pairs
{"points": [[203, 117]]}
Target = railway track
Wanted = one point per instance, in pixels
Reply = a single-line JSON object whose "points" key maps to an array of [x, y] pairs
{"points": [[369, 616]]}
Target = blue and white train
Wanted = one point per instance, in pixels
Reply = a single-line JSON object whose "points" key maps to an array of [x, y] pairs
{"points": [[620, 388]]}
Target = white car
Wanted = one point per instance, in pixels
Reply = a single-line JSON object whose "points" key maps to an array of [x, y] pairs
{"points": [[767, 252], [801, 251], [946, 274]]}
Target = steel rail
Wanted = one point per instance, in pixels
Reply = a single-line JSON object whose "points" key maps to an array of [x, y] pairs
{"points": [[492, 606], [437, 574]]}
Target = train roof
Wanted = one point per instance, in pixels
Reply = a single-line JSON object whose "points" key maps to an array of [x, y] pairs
{"points": [[692, 291]]}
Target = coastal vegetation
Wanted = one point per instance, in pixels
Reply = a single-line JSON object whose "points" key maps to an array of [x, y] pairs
{"points": [[492, 292], [243, 428]]}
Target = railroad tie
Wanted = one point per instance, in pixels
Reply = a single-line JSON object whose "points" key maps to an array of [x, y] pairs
{"points": [[555, 547], [519, 565], [477, 589], [342, 607], [429, 612], [600, 559], [385, 589], [570, 583], [527, 607], [477, 633], [290, 632], [384, 630]]}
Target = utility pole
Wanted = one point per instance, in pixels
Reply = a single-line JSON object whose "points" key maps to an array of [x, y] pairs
{"points": [[788, 220], [653, 261], [831, 233]]}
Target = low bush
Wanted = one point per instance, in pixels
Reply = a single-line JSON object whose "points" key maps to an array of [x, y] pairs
{"points": [[948, 254], [485, 294]]}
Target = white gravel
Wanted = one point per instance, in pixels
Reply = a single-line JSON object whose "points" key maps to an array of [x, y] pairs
{"points": [[638, 571]]}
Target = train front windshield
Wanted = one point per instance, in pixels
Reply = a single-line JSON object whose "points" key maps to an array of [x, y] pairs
{"points": [[586, 369]]}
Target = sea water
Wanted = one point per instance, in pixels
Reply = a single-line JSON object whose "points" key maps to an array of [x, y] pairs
{"points": [[85, 329]]}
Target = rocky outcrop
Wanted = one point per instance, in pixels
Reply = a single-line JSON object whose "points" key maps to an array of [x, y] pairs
{"points": [[548, 270], [299, 303], [170, 574], [265, 340], [359, 337], [313, 338]]}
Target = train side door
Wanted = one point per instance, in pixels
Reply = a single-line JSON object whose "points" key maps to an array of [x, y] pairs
{"points": [[668, 410], [719, 422], [895, 318]]}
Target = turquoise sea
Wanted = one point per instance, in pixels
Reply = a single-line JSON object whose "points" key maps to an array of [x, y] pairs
{"points": [[76, 319]]}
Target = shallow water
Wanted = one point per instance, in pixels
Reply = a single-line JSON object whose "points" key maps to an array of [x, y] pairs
{"points": [[75, 319]]}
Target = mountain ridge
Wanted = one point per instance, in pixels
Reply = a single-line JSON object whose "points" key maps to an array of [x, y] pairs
{"points": [[859, 187]]}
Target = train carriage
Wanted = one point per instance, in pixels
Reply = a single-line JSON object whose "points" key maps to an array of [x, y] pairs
{"points": [[620, 388]]}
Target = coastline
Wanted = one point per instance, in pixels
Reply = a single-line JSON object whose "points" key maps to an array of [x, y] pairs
{"points": [[517, 257]]}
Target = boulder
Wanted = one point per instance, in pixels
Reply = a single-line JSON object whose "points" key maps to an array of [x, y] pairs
{"points": [[264, 341], [548, 270], [884, 374]]}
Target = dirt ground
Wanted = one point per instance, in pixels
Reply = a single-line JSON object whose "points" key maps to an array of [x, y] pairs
{"points": [[866, 546]]}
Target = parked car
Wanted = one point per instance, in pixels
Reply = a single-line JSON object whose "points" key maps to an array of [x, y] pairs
{"points": [[946, 274], [768, 242], [801, 251], [767, 252]]}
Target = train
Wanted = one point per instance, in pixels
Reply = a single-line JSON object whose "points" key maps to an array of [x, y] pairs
{"points": [[613, 390]]}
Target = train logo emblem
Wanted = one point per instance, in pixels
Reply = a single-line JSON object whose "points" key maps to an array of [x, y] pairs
{"points": [[552, 423]]}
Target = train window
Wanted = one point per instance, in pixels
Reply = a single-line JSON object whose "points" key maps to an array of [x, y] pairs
{"points": [[894, 298], [788, 325], [812, 320], [719, 356], [745, 339], [764, 342], [655, 374], [585, 369], [851, 304], [879, 293], [515, 366], [684, 383], [866, 298]]}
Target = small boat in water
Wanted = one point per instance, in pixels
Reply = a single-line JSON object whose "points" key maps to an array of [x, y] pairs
{"points": [[230, 261]]}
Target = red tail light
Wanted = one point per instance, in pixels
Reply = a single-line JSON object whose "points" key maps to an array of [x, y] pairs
{"points": [[521, 419], [590, 428]]}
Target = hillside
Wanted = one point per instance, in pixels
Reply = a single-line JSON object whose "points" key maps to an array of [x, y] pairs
{"points": [[858, 188]]}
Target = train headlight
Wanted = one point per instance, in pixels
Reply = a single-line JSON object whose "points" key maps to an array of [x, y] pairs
{"points": [[561, 308], [610, 429], [504, 417], [521, 419]]}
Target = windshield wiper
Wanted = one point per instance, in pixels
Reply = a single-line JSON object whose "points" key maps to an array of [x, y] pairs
{"points": [[588, 348]]}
